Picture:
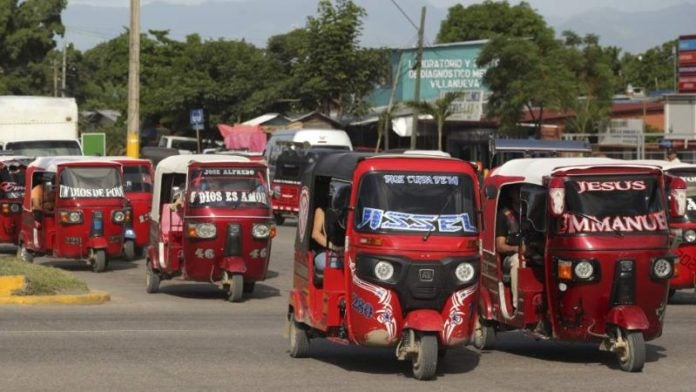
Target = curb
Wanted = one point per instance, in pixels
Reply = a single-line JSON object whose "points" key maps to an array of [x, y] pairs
{"points": [[95, 297]]}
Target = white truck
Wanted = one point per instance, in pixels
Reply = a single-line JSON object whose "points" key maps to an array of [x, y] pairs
{"points": [[39, 126]]}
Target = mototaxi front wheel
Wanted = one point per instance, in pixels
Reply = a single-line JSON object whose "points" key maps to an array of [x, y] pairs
{"points": [[99, 261], [425, 363], [235, 288], [24, 254], [632, 356], [129, 252]]}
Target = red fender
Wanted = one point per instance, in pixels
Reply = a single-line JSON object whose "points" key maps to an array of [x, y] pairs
{"points": [[485, 308], [98, 243], [234, 264], [424, 320], [297, 305], [629, 317]]}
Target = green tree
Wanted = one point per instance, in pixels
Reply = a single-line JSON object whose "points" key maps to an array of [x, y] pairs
{"points": [[336, 74], [27, 32], [440, 110], [653, 69], [591, 65], [491, 19], [526, 74]]}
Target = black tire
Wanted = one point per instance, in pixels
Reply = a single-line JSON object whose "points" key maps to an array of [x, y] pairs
{"points": [[236, 288], [24, 254], [129, 252], [425, 363], [249, 287], [279, 219], [99, 263], [152, 280], [484, 335], [299, 341], [632, 358]]}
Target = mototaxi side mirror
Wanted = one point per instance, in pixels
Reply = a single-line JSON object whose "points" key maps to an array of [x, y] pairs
{"points": [[677, 196], [49, 187], [556, 196], [490, 192]]}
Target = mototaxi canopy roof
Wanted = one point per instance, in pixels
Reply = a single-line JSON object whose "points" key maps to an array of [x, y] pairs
{"points": [[533, 170], [50, 164]]}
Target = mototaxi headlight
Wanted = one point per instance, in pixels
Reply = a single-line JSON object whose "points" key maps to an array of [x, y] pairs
{"points": [[119, 217], [276, 191], [465, 272], [384, 270], [260, 230], [202, 230], [662, 268], [75, 217], [14, 208], [584, 270], [690, 236]]}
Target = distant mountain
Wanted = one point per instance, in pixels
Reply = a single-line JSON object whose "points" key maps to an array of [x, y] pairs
{"points": [[256, 20], [634, 32]]}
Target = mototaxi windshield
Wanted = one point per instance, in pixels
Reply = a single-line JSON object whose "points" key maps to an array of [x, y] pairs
{"points": [[416, 203], [227, 188]]}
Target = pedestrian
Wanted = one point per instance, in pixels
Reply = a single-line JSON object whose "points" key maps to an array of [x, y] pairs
{"points": [[672, 156]]}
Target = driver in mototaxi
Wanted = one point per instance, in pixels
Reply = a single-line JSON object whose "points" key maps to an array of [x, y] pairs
{"points": [[508, 227]]}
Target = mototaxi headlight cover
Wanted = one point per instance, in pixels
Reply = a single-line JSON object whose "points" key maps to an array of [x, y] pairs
{"points": [[465, 272], [202, 230], [261, 230], [583, 270], [384, 270], [662, 268], [119, 217], [690, 236]]}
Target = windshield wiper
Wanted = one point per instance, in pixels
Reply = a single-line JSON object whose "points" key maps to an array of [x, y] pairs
{"points": [[430, 231], [595, 220]]}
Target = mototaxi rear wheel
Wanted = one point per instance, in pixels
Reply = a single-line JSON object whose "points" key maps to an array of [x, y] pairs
{"points": [[299, 341], [425, 363], [484, 335], [152, 279], [632, 356]]}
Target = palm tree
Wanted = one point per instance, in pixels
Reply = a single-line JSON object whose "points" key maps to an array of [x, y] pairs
{"points": [[439, 109]]}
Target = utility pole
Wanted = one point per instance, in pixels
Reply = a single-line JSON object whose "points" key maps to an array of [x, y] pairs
{"points": [[133, 136], [387, 122], [416, 98], [55, 77], [65, 62]]}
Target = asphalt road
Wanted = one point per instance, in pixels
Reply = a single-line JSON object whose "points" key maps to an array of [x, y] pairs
{"points": [[188, 338]]}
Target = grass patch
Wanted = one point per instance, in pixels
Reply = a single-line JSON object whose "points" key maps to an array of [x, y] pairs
{"points": [[42, 280]]}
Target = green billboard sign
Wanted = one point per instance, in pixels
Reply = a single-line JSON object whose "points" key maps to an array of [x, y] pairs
{"points": [[94, 144], [444, 68]]}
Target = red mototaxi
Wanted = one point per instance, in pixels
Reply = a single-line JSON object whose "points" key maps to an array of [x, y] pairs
{"points": [[223, 232], [683, 229], [88, 215], [138, 184], [12, 190], [592, 281], [406, 239]]}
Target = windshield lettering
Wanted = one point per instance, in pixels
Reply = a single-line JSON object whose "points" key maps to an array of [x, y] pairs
{"points": [[420, 179], [211, 197], [228, 172], [608, 186], [574, 224], [377, 219], [67, 191]]}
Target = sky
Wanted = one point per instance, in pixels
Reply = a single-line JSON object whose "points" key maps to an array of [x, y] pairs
{"points": [[625, 28], [546, 7]]}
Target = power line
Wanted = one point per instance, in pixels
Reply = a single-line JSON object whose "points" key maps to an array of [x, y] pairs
{"points": [[404, 14]]}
